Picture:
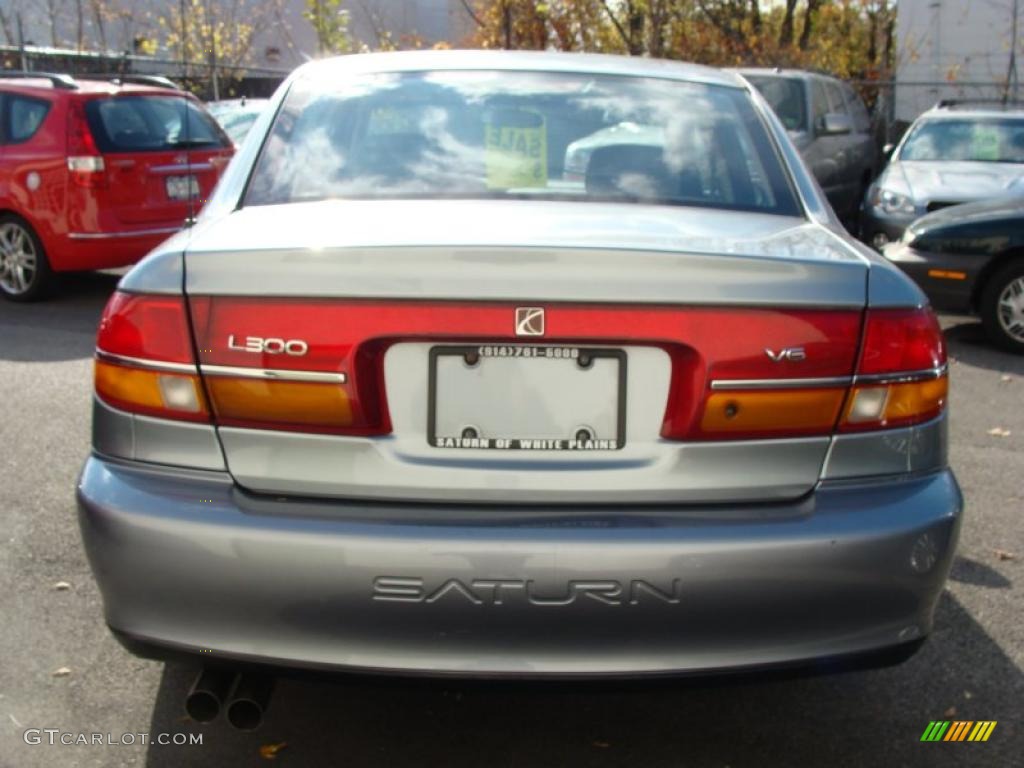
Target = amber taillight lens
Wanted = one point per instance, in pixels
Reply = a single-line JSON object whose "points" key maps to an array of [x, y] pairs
{"points": [[295, 404], [764, 414]]}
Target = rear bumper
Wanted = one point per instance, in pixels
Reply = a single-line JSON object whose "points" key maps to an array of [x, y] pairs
{"points": [[186, 561]]}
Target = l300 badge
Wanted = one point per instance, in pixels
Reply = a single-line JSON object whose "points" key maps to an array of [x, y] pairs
{"points": [[258, 345]]}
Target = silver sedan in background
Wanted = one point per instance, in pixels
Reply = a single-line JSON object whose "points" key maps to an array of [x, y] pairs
{"points": [[237, 116]]}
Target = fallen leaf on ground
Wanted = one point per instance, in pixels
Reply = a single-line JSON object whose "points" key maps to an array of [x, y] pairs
{"points": [[951, 712], [602, 744], [62, 586], [1002, 554], [61, 672], [269, 751], [999, 432]]}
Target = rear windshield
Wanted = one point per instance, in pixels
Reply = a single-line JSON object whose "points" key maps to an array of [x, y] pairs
{"points": [[787, 96], [978, 140], [151, 124], [520, 135]]}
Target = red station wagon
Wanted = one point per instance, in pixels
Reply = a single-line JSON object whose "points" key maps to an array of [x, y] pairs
{"points": [[94, 174]]}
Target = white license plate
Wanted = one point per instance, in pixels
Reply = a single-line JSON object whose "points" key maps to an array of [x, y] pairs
{"points": [[181, 187], [527, 397]]}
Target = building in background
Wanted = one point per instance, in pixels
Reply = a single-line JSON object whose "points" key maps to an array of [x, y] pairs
{"points": [[407, 23], [430, 20], [956, 49], [283, 38]]}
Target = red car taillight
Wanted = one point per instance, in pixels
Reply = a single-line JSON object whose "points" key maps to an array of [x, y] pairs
{"points": [[85, 163], [901, 377], [144, 358]]}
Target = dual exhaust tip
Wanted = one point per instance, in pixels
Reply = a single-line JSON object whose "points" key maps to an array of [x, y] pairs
{"points": [[244, 697]]}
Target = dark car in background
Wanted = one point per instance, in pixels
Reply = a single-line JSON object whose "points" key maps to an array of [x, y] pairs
{"points": [[831, 128], [95, 173], [956, 152], [970, 258]]}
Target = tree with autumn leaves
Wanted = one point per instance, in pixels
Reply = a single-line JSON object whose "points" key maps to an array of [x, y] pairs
{"points": [[851, 38]]}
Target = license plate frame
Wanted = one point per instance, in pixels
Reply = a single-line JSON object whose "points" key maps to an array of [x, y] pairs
{"points": [[549, 353], [173, 187]]}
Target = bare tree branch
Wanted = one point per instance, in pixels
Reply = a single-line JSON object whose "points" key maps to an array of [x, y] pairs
{"points": [[7, 27], [375, 24], [472, 14], [615, 22]]}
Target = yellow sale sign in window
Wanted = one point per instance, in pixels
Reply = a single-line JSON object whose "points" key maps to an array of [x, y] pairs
{"points": [[387, 121], [985, 143], [516, 145]]}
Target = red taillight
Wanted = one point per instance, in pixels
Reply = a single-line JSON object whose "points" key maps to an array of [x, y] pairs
{"points": [[258, 379], [144, 360], [901, 377], [900, 380], [147, 327], [85, 163], [774, 374], [901, 340]]}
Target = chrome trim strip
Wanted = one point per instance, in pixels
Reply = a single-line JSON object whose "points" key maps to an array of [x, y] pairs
{"points": [[111, 235], [745, 384], [150, 365], [834, 381], [903, 378], [183, 168], [275, 374]]}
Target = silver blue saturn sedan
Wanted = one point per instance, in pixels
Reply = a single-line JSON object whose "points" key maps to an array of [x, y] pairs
{"points": [[518, 364]]}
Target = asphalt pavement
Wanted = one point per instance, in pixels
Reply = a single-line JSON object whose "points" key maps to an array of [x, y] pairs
{"points": [[60, 668]]}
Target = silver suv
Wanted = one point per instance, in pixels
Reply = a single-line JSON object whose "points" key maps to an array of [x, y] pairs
{"points": [[957, 152], [410, 397]]}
